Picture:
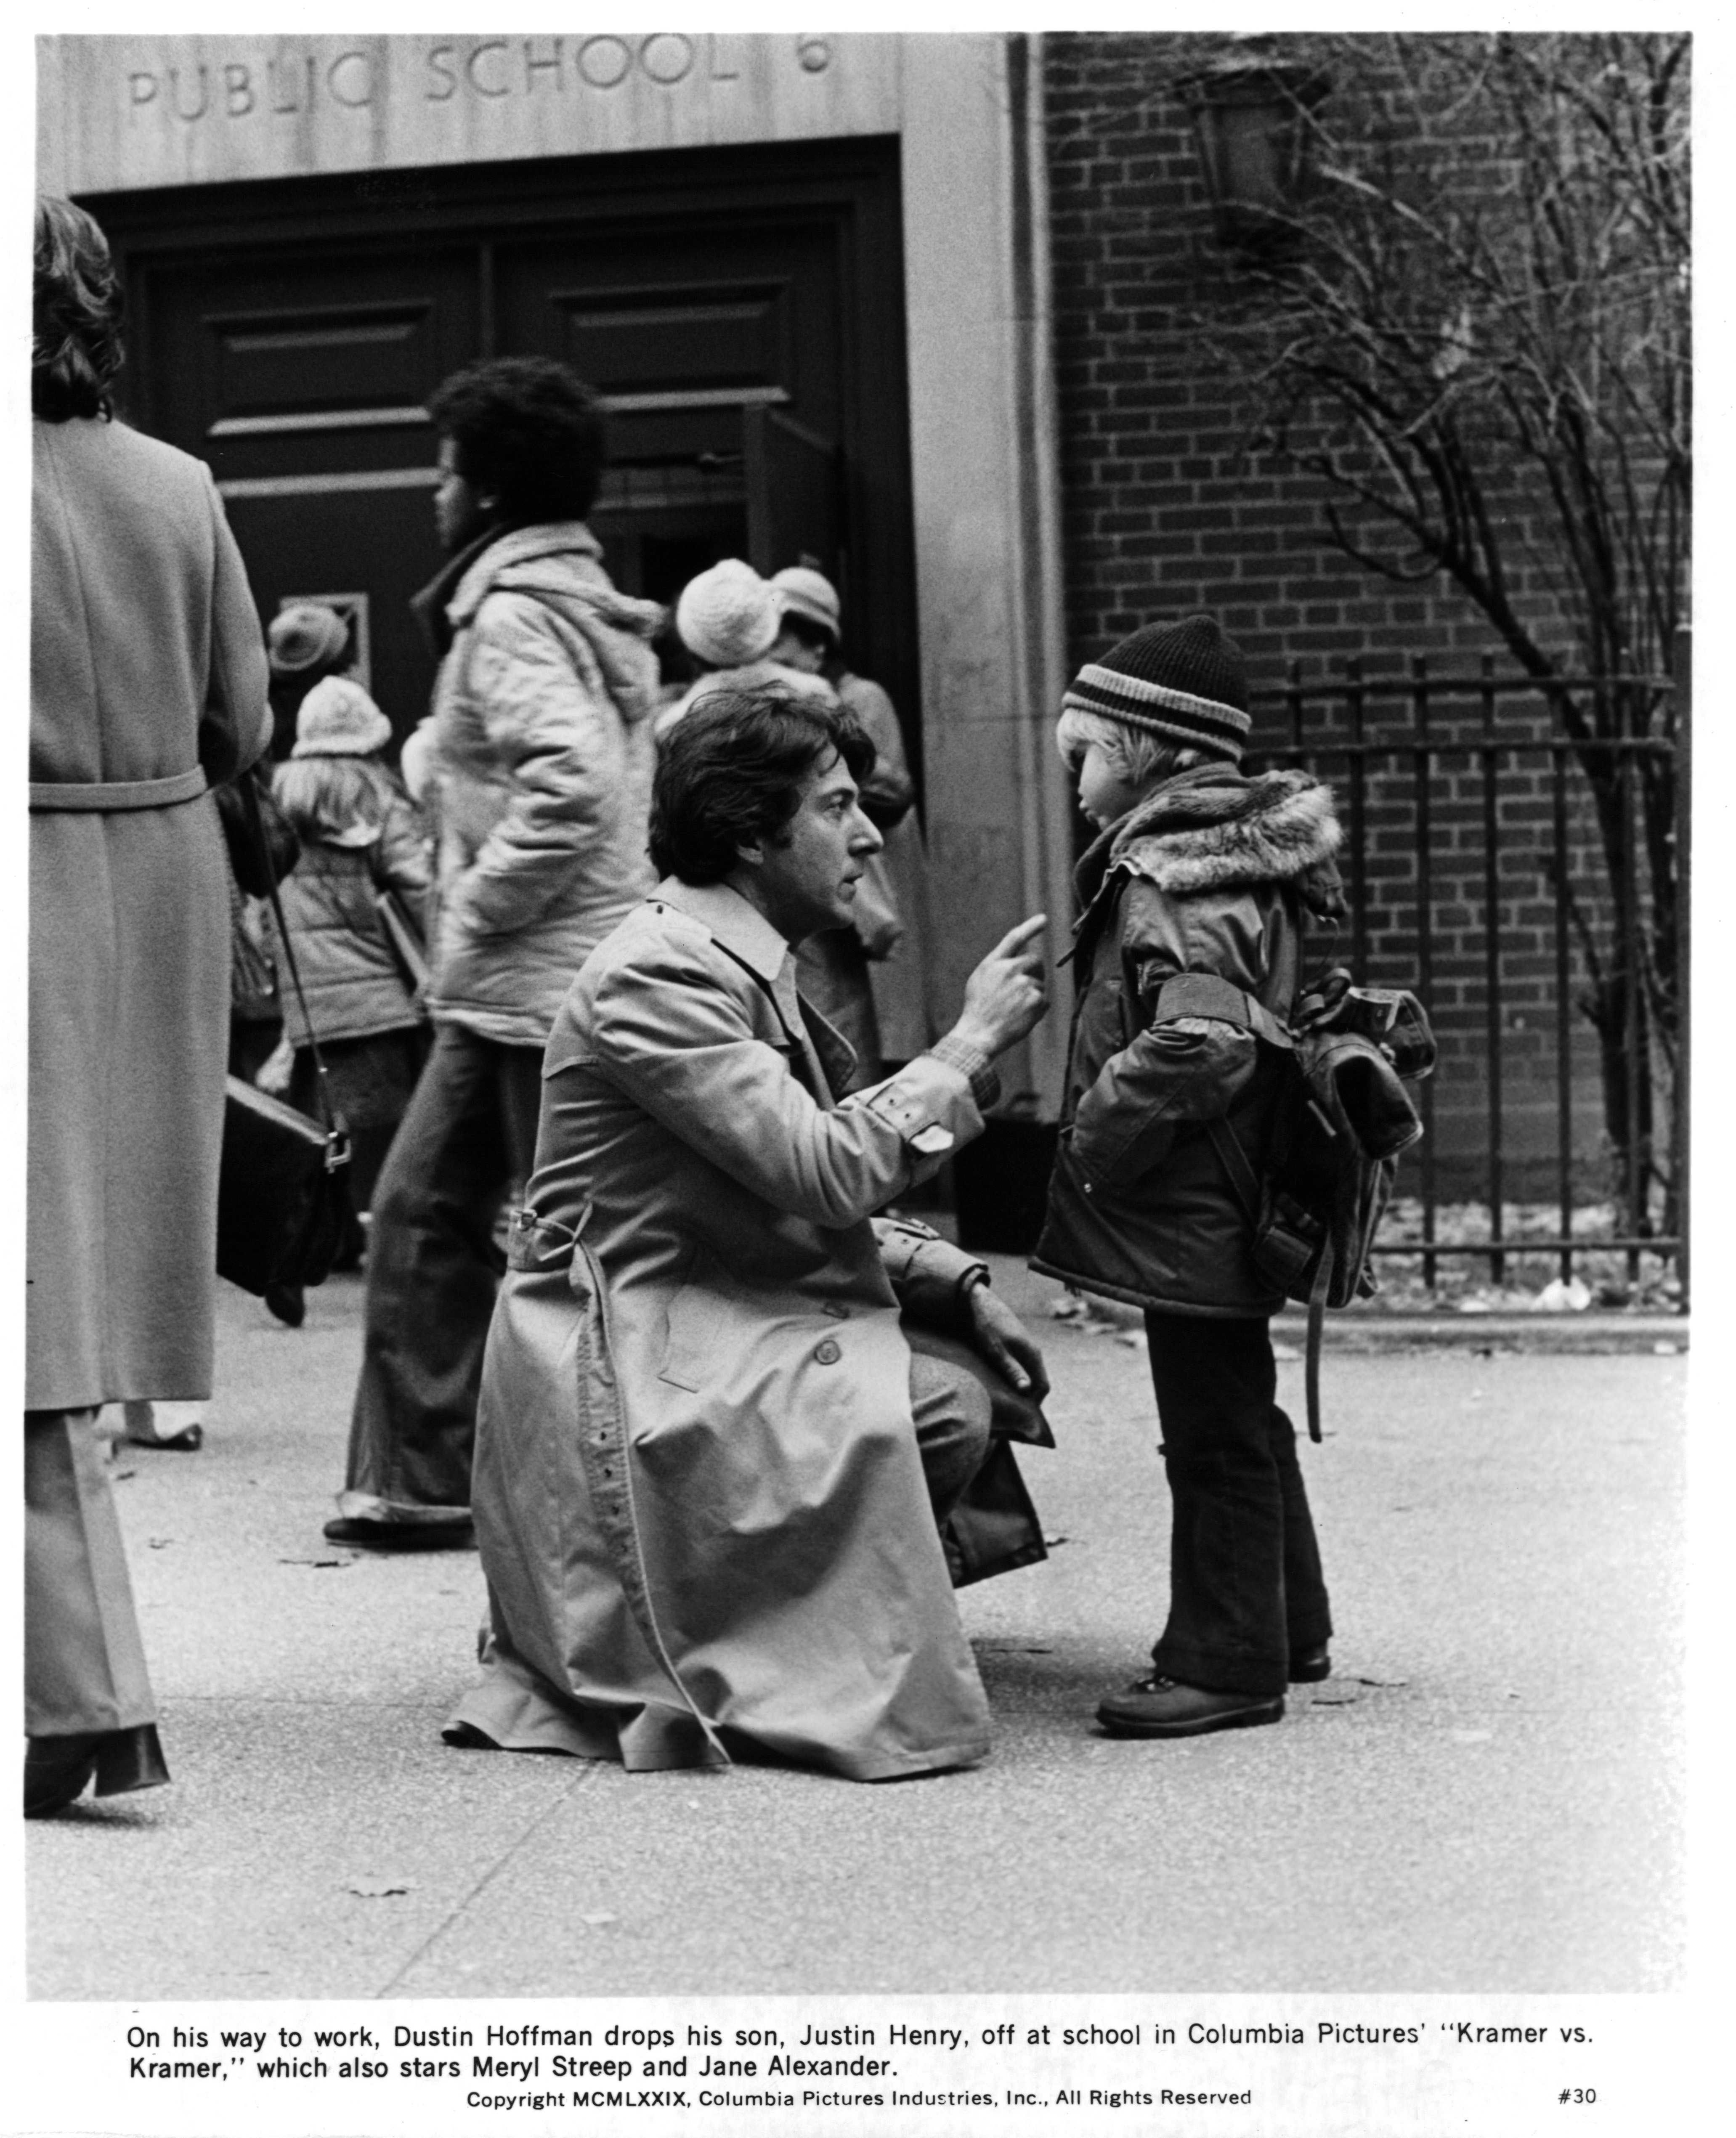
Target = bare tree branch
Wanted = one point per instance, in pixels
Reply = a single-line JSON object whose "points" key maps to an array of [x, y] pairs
{"points": [[1476, 338]]}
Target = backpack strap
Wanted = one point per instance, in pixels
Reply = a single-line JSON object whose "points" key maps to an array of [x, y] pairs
{"points": [[1317, 1320], [1227, 1144], [1205, 994]]}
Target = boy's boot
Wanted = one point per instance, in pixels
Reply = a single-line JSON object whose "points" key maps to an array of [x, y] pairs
{"points": [[1161, 1707]]}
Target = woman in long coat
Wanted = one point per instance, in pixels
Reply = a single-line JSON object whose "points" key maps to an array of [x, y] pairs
{"points": [[147, 686]]}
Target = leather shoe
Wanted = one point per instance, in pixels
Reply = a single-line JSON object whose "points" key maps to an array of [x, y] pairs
{"points": [[56, 1769], [1310, 1666], [1161, 1707], [401, 1537], [288, 1302]]}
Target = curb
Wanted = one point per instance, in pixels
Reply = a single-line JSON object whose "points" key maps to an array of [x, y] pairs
{"points": [[1560, 1335], [1373, 1329]]}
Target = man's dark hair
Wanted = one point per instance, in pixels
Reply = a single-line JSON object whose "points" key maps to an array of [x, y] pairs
{"points": [[75, 315], [731, 772], [529, 431]]}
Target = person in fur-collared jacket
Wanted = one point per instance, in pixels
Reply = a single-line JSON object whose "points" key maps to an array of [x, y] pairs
{"points": [[1195, 899]]}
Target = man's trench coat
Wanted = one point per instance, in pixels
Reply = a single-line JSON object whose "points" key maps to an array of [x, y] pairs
{"points": [[697, 1491]]}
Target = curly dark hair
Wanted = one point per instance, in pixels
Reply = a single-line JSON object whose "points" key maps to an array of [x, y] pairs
{"points": [[75, 347], [731, 772], [527, 429]]}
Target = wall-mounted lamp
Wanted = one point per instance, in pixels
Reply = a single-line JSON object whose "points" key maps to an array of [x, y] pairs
{"points": [[1248, 120]]}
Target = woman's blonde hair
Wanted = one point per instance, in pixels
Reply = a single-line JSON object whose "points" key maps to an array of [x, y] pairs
{"points": [[1135, 756], [326, 798]]}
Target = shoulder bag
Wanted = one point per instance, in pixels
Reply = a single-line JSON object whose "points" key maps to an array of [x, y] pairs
{"points": [[283, 1206]]}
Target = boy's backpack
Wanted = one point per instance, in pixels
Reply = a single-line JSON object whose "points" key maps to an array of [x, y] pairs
{"points": [[1342, 1115]]}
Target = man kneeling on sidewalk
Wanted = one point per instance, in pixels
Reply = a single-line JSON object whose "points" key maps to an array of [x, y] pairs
{"points": [[715, 1442]]}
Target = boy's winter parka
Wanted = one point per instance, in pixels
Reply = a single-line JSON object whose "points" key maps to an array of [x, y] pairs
{"points": [[1215, 874]]}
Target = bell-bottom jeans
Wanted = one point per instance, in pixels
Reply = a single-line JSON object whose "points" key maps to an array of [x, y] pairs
{"points": [[1245, 1586], [468, 1137]]}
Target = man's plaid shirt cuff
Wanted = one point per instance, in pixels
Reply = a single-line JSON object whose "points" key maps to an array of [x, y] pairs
{"points": [[957, 1054]]}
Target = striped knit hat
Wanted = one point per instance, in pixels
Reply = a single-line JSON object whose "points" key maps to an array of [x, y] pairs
{"points": [[1185, 681]]}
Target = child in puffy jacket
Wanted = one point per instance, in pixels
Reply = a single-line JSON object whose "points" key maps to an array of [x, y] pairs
{"points": [[361, 834], [1196, 897]]}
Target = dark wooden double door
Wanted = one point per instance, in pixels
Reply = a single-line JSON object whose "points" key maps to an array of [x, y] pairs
{"points": [[741, 310]]}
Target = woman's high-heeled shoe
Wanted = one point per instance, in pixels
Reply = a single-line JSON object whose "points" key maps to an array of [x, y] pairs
{"points": [[143, 1424]]}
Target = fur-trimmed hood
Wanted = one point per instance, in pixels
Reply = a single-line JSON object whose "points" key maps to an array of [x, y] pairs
{"points": [[1214, 829]]}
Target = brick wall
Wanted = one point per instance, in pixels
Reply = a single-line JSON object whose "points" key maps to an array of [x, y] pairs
{"points": [[1166, 509]]}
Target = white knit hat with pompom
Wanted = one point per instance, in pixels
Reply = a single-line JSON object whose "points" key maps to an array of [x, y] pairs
{"points": [[338, 719], [729, 615]]}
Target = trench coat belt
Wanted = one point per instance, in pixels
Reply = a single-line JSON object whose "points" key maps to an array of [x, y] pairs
{"points": [[105, 796]]}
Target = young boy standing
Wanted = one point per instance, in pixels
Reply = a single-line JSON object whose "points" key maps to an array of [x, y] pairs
{"points": [[1196, 899]]}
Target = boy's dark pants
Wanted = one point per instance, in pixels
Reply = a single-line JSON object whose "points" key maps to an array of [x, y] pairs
{"points": [[1245, 1587]]}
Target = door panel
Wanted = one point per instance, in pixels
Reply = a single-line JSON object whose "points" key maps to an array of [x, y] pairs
{"points": [[287, 364], [379, 544], [792, 493], [357, 356], [301, 382], [636, 341], [683, 330]]}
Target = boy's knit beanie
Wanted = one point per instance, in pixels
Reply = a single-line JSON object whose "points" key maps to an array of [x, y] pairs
{"points": [[307, 636], [1185, 681], [338, 719], [729, 615]]}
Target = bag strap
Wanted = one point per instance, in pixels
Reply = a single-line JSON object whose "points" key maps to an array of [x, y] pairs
{"points": [[406, 945], [1317, 1321], [337, 1132], [1234, 1159]]}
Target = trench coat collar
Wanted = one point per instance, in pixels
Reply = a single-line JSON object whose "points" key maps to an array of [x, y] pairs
{"points": [[742, 930], [827, 1058]]}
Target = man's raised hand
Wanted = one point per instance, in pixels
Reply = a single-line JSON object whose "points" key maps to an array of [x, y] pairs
{"points": [[1005, 996]]}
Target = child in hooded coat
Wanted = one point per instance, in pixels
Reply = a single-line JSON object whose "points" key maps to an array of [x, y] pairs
{"points": [[361, 834], [1196, 897]]}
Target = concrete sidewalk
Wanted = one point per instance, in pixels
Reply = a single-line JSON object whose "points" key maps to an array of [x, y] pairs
{"points": [[1485, 1796]]}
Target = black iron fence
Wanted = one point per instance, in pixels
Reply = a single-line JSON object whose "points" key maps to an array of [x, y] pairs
{"points": [[1517, 851]]}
